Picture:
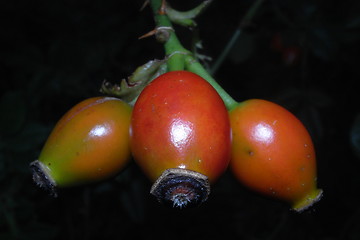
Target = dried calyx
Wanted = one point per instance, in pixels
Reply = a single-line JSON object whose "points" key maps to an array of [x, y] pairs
{"points": [[130, 88], [42, 178], [181, 188]]}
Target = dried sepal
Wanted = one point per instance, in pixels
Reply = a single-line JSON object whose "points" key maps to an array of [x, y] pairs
{"points": [[181, 188], [129, 89], [42, 178]]}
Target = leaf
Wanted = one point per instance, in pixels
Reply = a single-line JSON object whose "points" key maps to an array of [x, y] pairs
{"points": [[129, 89], [31, 136], [12, 112], [353, 23], [133, 200], [2, 167], [355, 135], [323, 43], [243, 49], [39, 230]]}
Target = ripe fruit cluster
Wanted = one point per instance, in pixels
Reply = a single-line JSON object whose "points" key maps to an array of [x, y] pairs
{"points": [[183, 138]]}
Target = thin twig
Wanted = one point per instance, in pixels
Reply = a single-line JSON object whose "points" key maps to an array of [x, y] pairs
{"points": [[244, 22]]}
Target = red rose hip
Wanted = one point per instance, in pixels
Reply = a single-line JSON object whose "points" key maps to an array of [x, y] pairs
{"points": [[272, 153], [180, 136], [89, 143]]}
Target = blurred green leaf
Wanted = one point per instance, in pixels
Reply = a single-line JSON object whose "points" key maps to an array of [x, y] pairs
{"points": [[355, 135], [323, 42], [353, 23], [306, 104], [12, 112], [132, 198], [37, 230], [32, 135], [243, 48], [2, 167]]}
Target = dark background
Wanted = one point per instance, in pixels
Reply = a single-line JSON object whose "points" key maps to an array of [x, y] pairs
{"points": [[54, 54]]}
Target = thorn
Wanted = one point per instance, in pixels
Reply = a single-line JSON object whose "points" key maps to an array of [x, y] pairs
{"points": [[161, 33], [162, 10], [149, 34], [145, 4]]}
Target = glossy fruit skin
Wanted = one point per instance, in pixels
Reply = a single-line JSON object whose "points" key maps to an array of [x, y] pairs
{"points": [[180, 121], [272, 152], [89, 143]]}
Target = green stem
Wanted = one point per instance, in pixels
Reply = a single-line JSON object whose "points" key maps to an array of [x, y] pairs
{"points": [[173, 47], [194, 66], [181, 58]]}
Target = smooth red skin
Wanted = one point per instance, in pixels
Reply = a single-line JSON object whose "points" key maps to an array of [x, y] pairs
{"points": [[89, 143], [272, 151], [179, 121]]}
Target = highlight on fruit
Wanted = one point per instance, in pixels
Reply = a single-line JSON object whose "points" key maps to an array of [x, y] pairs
{"points": [[88, 144]]}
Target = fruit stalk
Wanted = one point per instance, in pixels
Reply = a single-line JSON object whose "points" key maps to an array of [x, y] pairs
{"points": [[181, 58], [173, 48]]}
